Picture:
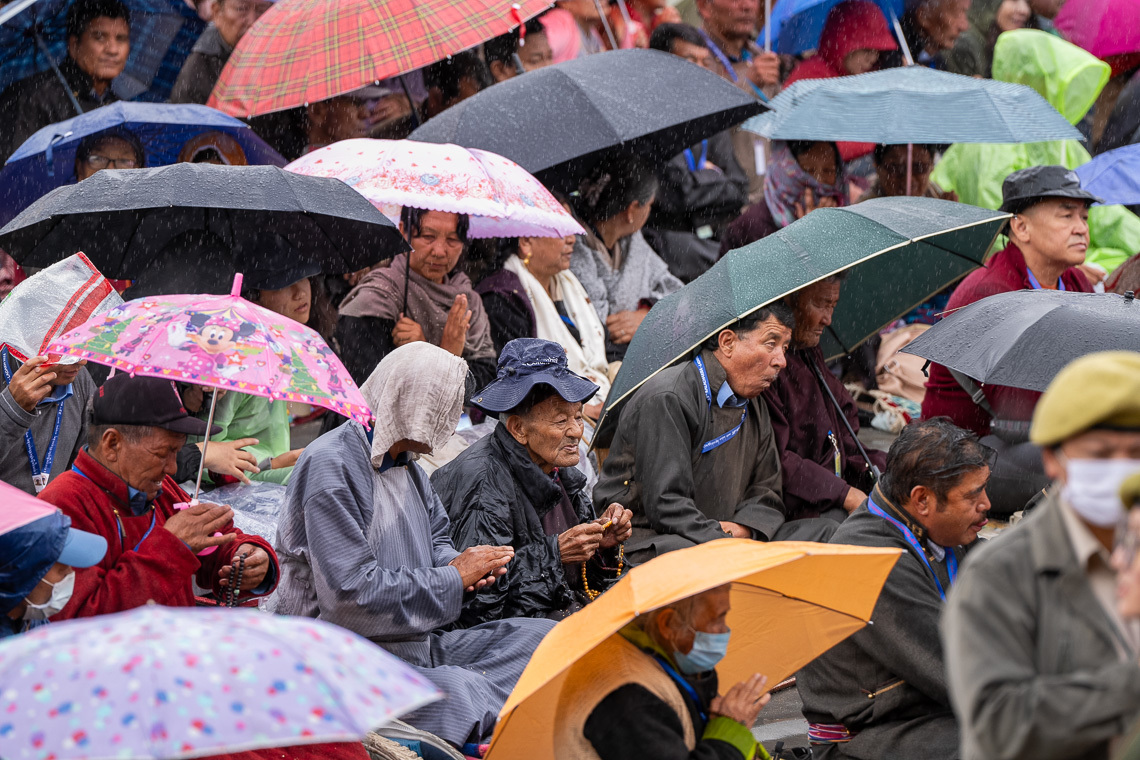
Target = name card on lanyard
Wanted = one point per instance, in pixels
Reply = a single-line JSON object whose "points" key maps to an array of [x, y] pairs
{"points": [[908, 535], [40, 473], [723, 438]]}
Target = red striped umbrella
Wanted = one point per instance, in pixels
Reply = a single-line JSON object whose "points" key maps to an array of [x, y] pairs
{"points": [[305, 51]]}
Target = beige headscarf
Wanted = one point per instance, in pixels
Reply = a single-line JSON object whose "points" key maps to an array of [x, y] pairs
{"points": [[416, 393]]}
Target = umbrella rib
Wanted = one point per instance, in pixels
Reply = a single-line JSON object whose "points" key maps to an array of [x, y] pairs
{"points": [[748, 589]]}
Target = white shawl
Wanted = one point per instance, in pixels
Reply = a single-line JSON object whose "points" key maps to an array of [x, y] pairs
{"points": [[587, 359]]}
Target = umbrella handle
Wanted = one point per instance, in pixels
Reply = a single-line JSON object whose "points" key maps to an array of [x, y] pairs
{"points": [[843, 417], [209, 425], [606, 24], [907, 57], [235, 292], [767, 26]]}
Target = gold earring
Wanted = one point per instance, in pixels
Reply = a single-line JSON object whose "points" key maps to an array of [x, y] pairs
{"points": [[525, 258]]}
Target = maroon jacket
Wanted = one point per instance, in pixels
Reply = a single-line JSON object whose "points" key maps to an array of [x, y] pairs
{"points": [[160, 568], [1005, 272], [802, 415]]}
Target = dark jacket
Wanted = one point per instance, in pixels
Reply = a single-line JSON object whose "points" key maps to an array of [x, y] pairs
{"points": [[694, 206], [39, 100], [756, 223], [1031, 655], [496, 496], [916, 40], [887, 683], [202, 68], [509, 311], [678, 494], [1003, 273], [804, 419]]}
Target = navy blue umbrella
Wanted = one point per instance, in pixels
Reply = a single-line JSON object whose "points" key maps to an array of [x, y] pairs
{"points": [[1114, 176], [46, 160]]}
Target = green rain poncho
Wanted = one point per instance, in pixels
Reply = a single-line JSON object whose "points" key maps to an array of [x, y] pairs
{"points": [[244, 416], [1070, 79]]}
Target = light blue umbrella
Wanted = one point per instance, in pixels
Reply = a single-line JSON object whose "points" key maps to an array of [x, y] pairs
{"points": [[798, 24], [914, 104], [1114, 176]]}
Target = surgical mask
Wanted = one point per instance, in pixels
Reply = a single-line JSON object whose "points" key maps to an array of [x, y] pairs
{"points": [[60, 595], [1092, 488], [708, 650]]}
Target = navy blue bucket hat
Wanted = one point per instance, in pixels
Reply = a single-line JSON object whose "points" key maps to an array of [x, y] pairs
{"points": [[525, 363]]}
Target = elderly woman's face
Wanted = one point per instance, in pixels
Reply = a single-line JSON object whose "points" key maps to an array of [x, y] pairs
{"points": [[1126, 562], [436, 247], [550, 432]]}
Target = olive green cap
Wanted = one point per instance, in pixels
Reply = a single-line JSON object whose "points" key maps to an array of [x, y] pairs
{"points": [[1100, 390], [1130, 491]]}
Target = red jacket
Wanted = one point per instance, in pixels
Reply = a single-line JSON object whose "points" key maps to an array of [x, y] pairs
{"points": [[141, 564], [1005, 272]]}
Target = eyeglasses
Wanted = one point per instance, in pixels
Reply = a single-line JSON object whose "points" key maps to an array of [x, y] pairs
{"points": [[97, 162]]}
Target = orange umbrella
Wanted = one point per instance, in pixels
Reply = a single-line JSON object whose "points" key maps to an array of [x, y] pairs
{"points": [[791, 602]]}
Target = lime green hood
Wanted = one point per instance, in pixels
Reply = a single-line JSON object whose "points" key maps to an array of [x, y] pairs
{"points": [[1064, 74]]}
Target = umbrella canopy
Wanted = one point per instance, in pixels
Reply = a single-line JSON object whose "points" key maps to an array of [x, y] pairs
{"points": [[1102, 27], [791, 602], [305, 51], [501, 197], [798, 24], [221, 342], [46, 160], [20, 508], [1023, 339], [898, 252], [914, 104], [565, 117], [161, 683], [162, 34], [123, 218], [52, 302], [1114, 176]]}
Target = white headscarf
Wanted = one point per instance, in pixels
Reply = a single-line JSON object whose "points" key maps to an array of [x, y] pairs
{"points": [[416, 393]]}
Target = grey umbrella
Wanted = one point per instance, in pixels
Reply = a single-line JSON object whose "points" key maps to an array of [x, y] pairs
{"points": [[1023, 339], [914, 104]]}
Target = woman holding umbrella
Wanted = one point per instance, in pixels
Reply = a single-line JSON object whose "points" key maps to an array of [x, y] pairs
{"points": [[622, 275]]}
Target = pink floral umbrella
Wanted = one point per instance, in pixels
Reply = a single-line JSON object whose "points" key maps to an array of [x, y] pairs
{"points": [[503, 199], [222, 342]]}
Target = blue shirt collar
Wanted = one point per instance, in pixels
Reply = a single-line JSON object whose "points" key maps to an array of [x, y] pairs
{"points": [[725, 397], [401, 460], [61, 393]]}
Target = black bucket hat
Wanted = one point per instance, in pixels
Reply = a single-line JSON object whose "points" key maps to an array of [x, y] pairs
{"points": [[525, 363], [1021, 189]]}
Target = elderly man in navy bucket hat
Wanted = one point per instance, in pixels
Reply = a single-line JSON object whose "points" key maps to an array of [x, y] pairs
{"points": [[519, 486]]}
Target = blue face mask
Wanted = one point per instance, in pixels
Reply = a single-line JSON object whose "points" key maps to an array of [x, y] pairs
{"points": [[708, 650]]}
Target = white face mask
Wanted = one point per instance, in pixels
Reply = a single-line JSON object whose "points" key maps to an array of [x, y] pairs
{"points": [[61, 592], [1092, 487]]}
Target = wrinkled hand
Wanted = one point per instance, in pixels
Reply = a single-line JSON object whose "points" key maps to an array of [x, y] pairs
{"points": [[764, 70], [31, 383], [621, 525], [455, 331], [479, 566], [288, 459], [622, 325], [254, 570], [229, 458], [736, 530], [578, 544], [853, 499], [395, 106], [808, 203], [743, 702], [196, 525], [407, 331]]}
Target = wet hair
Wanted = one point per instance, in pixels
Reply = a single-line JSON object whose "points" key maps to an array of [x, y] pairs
{"points": [[504, 47], [91, 143], [83, 12], [750, 322], [413, 221], [665, 35], [447, 74], [934, 453], [800, 147], [612, 186], [840, 277], [880, 151]]}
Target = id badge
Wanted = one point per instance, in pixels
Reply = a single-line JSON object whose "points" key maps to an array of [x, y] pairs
{"points": [[40, 481]]}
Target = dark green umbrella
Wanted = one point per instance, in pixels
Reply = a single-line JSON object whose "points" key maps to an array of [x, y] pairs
{"points": [[914, 104], [898, 252]]}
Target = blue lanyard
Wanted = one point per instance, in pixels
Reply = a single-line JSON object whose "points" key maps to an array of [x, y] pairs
{"points": [[119, 520], [693, 163], [685, 685], [724, 438], [725, 61], [951, 558], [1033, 283], [40, 474]]}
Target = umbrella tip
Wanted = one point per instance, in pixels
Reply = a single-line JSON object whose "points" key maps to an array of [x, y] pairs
{"points": [[1129, 296], [236, 289]]}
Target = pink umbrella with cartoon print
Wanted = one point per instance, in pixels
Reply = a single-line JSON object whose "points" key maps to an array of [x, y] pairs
{"points": [[222, 342]]}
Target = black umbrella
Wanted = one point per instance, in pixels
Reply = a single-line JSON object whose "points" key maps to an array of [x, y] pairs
{"points": [[1023, 339], [122, 219], [557, 121]]}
